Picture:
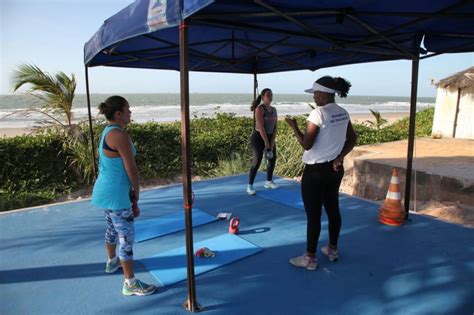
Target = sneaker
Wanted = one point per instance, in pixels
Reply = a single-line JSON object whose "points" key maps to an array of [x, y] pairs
{"points": [[138, 288], [250, 190], [331, 253], [113, 265], [270, 184], [305, 261]]}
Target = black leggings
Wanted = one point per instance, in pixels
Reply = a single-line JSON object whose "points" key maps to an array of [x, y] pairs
{"points": [[258, 146], [320, 186]]}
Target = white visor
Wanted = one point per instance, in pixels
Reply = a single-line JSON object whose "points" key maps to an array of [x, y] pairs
{"points": [[321, 88]]}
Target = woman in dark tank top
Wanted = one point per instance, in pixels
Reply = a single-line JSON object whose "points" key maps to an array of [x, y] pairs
{"points": [[263, 137]]}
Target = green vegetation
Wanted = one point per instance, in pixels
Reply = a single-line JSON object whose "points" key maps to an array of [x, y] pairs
{"points": [[237, 164], [38, 169], [378, 121], [397, 130], [34, 171]]}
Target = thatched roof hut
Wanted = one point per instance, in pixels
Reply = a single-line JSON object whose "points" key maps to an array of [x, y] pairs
{"points": [[462, 79], [454, 111]]}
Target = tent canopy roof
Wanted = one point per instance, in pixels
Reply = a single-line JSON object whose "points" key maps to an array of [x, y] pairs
{"points": [[462, 79], [264, 36]]}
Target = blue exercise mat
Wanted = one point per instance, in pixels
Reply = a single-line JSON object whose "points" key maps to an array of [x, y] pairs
{"points": [[170, 267], [284, 196], [167, 224]]}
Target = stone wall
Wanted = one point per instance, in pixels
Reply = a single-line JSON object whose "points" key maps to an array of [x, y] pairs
{"points": [[370, 180]]}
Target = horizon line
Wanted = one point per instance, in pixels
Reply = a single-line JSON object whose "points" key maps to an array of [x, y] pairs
{"points": [[249, 93]]}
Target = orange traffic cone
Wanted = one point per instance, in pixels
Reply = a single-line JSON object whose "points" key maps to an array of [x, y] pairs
{"points": [[391, 212]]}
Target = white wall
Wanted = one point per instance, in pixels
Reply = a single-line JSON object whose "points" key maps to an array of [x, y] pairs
{"points": [[445, 108], [465, 121], [445, 113]]}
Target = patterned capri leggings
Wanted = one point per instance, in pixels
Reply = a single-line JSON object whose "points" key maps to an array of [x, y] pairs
{"points": [[120, 223]]}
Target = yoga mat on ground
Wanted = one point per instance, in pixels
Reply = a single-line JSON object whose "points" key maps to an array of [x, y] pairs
{"points": [[170, 267], [167, 224], [287, 197]]}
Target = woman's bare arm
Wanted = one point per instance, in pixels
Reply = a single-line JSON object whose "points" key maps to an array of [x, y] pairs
{"points": [[307, 139], [122, 142]]}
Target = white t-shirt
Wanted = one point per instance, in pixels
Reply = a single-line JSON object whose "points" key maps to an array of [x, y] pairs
{"points": [[332, 121]]}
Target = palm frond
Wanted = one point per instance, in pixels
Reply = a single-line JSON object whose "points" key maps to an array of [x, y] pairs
{"points": [[31, 74], [378, 122], [56, 92]]}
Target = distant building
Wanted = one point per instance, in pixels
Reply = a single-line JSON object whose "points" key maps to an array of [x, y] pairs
{"points": [[454, 110]]}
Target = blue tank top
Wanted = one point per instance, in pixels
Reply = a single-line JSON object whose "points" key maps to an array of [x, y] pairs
{"points": [[112, 187]]}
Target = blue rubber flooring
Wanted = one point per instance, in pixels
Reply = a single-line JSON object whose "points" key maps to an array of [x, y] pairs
{"points": [[52, 260], [166, 224]]}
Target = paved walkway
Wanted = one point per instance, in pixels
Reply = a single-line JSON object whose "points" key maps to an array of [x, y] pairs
{"points": [[445, 157]]}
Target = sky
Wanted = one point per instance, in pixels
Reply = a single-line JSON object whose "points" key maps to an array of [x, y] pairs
{"points": [[51, 34]]}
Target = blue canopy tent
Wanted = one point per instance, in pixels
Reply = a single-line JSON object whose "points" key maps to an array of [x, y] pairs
{"points": [[265, 36]]}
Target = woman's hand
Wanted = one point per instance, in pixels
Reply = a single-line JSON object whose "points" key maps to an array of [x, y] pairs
{"points": [[336, 164], [135, 208], [135, 211], [291, 121]]}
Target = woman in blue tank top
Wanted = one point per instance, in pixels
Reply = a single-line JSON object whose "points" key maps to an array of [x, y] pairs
{"points": [[116, 189]]}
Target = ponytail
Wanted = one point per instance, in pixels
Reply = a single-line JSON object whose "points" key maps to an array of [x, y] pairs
{"points": [[258, 100], [342, 85], [112, 105]]}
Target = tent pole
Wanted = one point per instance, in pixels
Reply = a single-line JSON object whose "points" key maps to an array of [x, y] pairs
{"points": [[411, 133], [190, 304], [91, 130], [255, 86]]}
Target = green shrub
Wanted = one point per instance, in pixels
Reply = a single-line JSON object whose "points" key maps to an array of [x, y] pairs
{"points": [[423, 125], [15, 200], [34, 163], [79, 158], [396, 131], [365, 134], [235, 165], [289, 151], [158, 147], [36, 169], [214, 139]]}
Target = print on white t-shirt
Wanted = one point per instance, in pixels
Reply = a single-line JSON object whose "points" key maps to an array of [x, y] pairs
{"points": [[332, 121]]}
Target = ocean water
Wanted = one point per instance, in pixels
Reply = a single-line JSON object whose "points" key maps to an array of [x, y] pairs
{"points": [[165, 107]]}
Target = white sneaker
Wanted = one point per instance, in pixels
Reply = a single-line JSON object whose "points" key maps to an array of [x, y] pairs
{"points": [[270, 184], [250, 190], [331, 253], [113, 265], [305, 261], [138, 288]]}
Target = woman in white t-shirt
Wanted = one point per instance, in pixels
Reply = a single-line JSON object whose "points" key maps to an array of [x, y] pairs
{"points": [[328, 138]]}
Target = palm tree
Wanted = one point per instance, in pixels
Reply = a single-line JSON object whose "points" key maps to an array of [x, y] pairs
{"points": [[378, 122], [55, 92]]}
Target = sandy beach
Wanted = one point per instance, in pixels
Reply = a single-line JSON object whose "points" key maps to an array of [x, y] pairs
{"points": [[13, 132], [390, 117], [356, 119]]}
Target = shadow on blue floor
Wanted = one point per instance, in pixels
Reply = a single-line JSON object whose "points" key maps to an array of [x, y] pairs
{"points": [[52, 260]]}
